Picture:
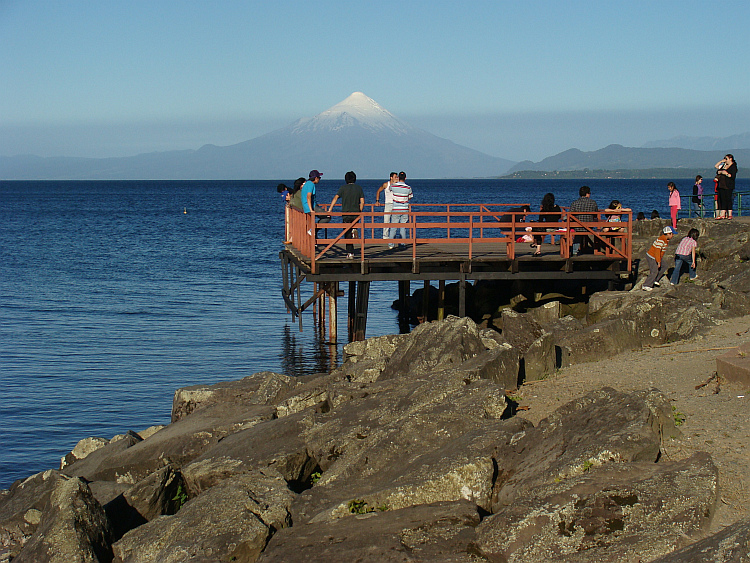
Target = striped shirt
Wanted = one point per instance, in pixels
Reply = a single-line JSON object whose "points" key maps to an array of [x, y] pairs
{"points": [[658, 249], [686, 246], [401, 196]]}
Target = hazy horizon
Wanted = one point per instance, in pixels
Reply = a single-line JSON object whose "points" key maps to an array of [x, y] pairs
{"points": [[516, 81]]}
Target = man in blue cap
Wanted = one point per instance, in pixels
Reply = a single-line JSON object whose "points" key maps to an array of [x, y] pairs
{"points": [[308, 198]]}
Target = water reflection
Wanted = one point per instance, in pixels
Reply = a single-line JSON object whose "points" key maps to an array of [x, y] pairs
{"points": [[306, 353]]}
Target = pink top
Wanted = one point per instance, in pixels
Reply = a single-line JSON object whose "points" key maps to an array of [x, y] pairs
{"points": [[674, 199], [686, 246]]}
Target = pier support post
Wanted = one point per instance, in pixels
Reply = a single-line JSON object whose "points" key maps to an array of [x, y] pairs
{"points": [[360, 320], [441, 300], [462, 297], [351, 309], [333, 291], [299, 295], [426, 301], [403, 298]]}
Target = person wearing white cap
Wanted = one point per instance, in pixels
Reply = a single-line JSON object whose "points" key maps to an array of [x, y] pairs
{"points": [[655, 258]]}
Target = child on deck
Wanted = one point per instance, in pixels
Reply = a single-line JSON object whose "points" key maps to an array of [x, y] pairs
{"points": [[674, 202], [685, 254], [654, 257]]}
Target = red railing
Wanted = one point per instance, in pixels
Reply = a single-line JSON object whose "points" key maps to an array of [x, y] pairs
{"points": [[461, 224]]}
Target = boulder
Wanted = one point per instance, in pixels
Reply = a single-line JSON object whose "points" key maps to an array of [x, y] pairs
{"points": [[87, 465], [73, 527], [21, 508], [366, 359], [261, 388], [535, 345], [617, 512], [546, 313], [82, 449], [432, 532], [405, 443], [160, 493], [603, 427], [230, 522], [176, 444], [435, 346], [601, 340], [276, 444], [409, 472], [730, 545]]}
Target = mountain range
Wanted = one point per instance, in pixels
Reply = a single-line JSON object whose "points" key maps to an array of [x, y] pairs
{"points": [[358, 134], [617, 157], [727, 144], [355, 134]]}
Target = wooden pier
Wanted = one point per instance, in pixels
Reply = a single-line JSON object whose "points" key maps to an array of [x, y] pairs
{"points": [[446, 242]]}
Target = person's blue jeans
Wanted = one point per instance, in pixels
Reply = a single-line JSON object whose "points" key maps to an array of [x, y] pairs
{"points": [[399, 218], [679, 260]]}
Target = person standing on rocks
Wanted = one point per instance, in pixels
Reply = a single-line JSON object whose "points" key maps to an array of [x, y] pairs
{"points": [[352, 201], [685, 254], [674, 203], [401, 195], [726, 171], [655, 258], [385, 188]]}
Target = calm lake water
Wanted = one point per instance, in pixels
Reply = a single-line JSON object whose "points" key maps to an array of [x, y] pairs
{"points": [[114, 294]]}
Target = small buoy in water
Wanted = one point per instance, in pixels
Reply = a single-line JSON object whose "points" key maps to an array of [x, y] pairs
{"points": [[185, 212]]}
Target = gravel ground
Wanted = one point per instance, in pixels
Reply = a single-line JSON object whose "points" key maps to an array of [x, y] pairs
{"points": [[715, 415]]}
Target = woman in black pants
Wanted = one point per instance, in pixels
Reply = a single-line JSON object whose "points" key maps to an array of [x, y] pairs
{"points": [[548, 205], [726, 171]]}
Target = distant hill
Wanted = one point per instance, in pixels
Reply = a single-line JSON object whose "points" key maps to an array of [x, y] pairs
{"points": [[647, 173], [617, 157], [355, 134], [726, 144]]}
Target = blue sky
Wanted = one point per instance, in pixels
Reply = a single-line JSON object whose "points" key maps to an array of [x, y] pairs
{"points": [[520, 80]]}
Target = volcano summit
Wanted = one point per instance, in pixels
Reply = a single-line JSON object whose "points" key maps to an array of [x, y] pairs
{"points": [[355, 134]]}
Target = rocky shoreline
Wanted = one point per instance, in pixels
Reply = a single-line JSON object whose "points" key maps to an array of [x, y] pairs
{"points": [[419, 448]]}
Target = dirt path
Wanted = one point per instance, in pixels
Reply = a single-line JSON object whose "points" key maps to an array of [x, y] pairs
{"points": [[716, 422]]}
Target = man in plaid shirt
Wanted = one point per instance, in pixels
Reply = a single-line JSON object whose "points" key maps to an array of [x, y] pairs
{"points": [[581, 243]]}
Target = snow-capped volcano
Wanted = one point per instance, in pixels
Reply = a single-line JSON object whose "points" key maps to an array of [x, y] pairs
{"points": [[355, 134], [356, 110]]}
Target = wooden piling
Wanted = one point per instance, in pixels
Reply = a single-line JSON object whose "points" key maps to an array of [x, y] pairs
{"points": [[441, 300]]}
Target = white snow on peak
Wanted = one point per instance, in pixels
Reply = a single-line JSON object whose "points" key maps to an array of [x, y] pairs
{"points": [[356, 110]]}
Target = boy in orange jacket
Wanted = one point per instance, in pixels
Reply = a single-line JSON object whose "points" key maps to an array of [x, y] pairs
{"points": [[655, 258]]}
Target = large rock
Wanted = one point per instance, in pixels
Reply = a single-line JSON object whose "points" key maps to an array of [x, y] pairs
{"points": [[601, 340], [82, 449], [375, 430], [176, 444], [158, 494], [261, 388], [618, 512], [21, 509], [366, 359], [276, 444], [433, 532], [231, 522], [730, 545], [535, 345], [435, 346], [73, 528], [603, 427], [407, 443]]}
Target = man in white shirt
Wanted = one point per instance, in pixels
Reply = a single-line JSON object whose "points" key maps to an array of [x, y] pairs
{"points": [[388, 195], [401, 195]]}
